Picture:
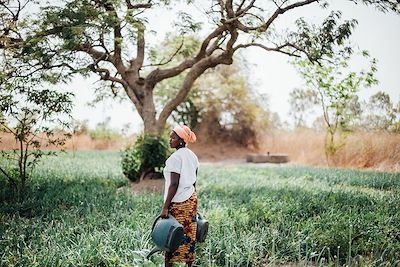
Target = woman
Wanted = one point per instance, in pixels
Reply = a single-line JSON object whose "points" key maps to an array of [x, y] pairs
{"points": [[180, 198]]}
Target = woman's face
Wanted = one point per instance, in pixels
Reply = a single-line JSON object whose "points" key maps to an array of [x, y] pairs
{"points": [[174, 140]]}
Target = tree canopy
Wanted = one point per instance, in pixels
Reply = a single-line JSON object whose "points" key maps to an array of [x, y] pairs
{"points": [[113, 40]]}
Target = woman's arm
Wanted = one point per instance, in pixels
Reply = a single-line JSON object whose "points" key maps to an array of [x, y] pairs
{"points": [[171, 193]]}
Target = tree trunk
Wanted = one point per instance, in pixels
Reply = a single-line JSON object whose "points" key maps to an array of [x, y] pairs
{"points": [[149, 114]]}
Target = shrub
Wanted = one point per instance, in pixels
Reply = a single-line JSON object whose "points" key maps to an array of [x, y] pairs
{"points": [[146, 156], [104, 132]]}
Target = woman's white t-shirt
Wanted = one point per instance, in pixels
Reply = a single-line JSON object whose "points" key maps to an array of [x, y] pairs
{"points": [[184, 162]]}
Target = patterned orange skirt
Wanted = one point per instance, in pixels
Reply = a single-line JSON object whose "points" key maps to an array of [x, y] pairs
{"points": [[185, 213]]}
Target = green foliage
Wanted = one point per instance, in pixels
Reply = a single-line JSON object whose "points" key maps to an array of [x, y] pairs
{"points": [[186, 24], [379, 113], [222, 103], [230, 109], [30, 115], [174, 49], [32, 111], [146, 156], [333, 88], [324, 41], [79, 211]]}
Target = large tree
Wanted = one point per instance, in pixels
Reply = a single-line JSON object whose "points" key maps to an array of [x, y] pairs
{"points": [[111, 39]]}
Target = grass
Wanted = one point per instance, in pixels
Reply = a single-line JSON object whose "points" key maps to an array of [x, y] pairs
{"points": [[377, 150], [75, 212]]}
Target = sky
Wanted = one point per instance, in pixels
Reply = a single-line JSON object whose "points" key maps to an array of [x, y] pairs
{"points": [[271, 73]]}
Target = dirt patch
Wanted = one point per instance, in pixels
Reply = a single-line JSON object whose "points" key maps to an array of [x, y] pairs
{"points": [[148, 185]]}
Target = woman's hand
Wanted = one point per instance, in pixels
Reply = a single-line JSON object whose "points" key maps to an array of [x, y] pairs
{"points": [[164, 213]]}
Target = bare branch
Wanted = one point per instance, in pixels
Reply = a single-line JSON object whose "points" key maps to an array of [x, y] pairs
{"points": [[246, 9], [3, 4], [105, 75], [221, 5], [274, 49], [240, 6], [218, 31], [138, 6], [161, 74], [229, 9], [88, 48], [8, 129], [38, 69], [170, 59], [278, 11], [220, 39]]}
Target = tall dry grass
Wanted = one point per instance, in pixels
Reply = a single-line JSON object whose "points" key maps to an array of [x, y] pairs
{"points": [[76, 142], [375, 150], [371, 150], [85, 142]]}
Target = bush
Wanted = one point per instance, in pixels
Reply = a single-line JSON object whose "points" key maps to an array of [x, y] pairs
{"points": [[146, 156], [104, 132]]}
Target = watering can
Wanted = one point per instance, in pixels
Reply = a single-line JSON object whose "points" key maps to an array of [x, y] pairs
{"points": [[202, 228], [168, 233]]}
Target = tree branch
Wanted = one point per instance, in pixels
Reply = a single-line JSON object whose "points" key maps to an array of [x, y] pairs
{"points": [[278, 11], [95, 54], [240, 6], [229, 9], [10, 179], [275, 49], [42, 68], [220, 39], [137, 63], [161, 74], [218, 31], [170, 59], [117, 31], [138, 6], [221, 6], [8, 128], [241, 11], [195, 72], [105, 75]]}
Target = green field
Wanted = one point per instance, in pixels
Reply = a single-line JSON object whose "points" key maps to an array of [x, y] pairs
{"points": [[77, 211]]}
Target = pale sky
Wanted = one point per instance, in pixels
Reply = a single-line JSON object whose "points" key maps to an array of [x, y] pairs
{"points": [[271, 73]]}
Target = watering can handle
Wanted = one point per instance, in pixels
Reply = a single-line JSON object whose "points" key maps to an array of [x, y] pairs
{"points": [[155, 221]]}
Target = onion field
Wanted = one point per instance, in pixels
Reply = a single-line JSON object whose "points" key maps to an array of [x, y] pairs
{"points": [[77, 210]]}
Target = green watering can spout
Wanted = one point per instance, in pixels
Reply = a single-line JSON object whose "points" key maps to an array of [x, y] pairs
{"points": [[154, 250]]}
